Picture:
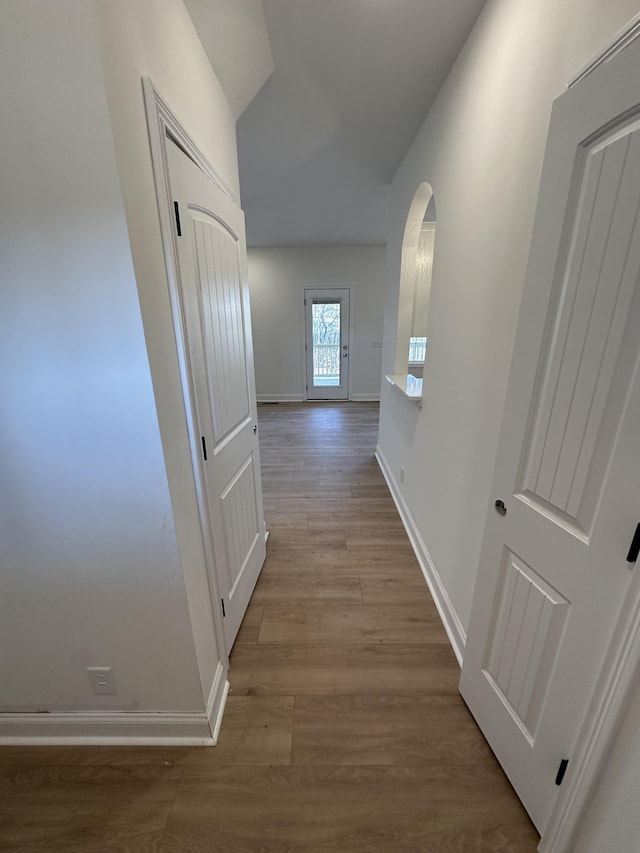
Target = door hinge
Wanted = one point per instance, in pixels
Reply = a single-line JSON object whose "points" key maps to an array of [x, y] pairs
{"points": [[176, 210], [224, 615], [204, 448], [562, 770], [305, 303], [634, 549]]}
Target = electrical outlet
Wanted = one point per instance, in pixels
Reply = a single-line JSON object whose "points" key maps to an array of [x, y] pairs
{"points": [[402, 473], [102, 682]]}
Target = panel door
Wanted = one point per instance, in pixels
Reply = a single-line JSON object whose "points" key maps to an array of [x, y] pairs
{"points": [[553, 571], [327, 344], [215, 302]]}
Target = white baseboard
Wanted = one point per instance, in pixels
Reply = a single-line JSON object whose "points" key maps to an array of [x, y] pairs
{"points": [[450, 620], [300, 398], [135, 728], [96, 728], [280, 398], [217, 701]]}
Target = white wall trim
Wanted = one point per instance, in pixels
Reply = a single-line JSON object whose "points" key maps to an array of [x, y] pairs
{"points": [[616, 683], [365, 398], [622, 39], [217, 700], [450, 620], [169, 123], [280, 398], [215, 728], [90, 728]]}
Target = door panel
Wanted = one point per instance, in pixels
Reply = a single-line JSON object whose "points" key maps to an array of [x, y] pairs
{"points": [[597, 283], [529, 618], [217, 255], [327, 344], [215, 303], [553, 575], [242, 526]]}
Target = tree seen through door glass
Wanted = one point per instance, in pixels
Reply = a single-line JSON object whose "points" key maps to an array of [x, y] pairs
{"points": [[326, 343]]}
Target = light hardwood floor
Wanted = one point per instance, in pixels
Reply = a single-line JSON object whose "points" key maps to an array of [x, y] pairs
{"points": [[344, 730]]}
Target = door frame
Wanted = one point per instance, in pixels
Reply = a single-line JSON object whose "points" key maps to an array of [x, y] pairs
{"points": [[163, 123], [303, 319]]}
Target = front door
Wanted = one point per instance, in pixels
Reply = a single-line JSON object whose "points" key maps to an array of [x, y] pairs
{"points": [[215, 303], [327, 344], [565, 499]]}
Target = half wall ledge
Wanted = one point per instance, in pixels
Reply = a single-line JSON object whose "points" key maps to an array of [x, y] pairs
{"points": [[408, 385]]}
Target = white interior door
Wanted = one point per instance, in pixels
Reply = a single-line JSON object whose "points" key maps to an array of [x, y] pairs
{"points": [[215, 303], [553, 572], [327, 344]]}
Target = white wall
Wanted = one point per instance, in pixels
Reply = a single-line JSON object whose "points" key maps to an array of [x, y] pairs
{"points": [[235, 37], [101, 559], [157, 39], [90, 565], [481, 148], [277, 278]]}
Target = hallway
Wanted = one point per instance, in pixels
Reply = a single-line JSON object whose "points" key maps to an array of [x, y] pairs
{"points": [[344, 729]]}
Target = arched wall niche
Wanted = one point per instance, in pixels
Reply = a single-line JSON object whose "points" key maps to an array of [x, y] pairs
{"points": [[415, 281]]}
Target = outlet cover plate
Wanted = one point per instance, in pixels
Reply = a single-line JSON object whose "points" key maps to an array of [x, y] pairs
{"points": [[102, 681]]}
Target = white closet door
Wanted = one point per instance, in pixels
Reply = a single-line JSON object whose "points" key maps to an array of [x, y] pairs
{"points": [[215, 301]]}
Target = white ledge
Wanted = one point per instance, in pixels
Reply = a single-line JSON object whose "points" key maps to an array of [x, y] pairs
{"points": [[407, 385]]}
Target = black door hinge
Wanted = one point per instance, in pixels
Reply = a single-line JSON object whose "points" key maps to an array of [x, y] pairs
{"points": [[224, 615], [204, 448], [177, 213], [634, 549], [562, 770]]}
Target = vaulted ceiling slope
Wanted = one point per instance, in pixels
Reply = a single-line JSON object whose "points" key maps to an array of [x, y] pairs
{"points": [[353, 81], [321, 140], [234, 35]]}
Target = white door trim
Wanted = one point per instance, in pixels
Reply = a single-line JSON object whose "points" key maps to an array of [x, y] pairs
{"points": [[162, 123], [614, 687], [622, 39]]}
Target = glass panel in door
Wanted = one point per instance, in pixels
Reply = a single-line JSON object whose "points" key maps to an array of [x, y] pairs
{"points": [[325, 342]]}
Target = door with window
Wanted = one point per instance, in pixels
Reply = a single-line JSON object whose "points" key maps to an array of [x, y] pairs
{"points": [[327, 344]]}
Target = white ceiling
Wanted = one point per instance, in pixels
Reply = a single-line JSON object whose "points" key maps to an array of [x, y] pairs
{"points": [[353, 81]]}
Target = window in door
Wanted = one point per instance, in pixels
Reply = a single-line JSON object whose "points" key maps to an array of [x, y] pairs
{"points": [[325, 337]]}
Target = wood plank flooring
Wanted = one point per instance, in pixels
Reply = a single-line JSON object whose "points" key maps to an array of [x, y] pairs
{"points": [[344, 729]]}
